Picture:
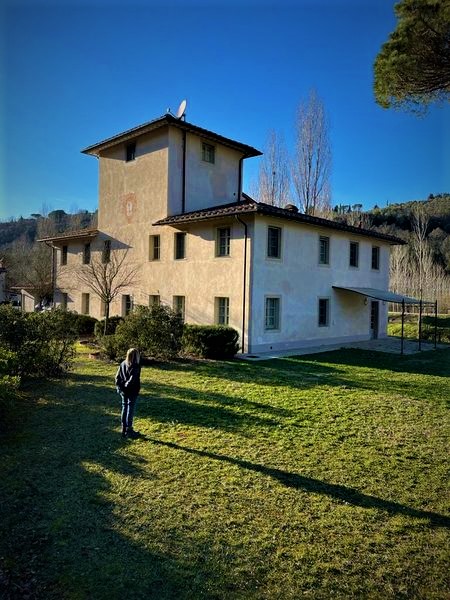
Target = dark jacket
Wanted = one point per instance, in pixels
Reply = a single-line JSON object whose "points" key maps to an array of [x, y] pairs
{"points": [[128, 379]]}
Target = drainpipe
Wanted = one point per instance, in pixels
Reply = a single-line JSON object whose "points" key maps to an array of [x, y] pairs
{"points": [[244, 280], [183, 191]]}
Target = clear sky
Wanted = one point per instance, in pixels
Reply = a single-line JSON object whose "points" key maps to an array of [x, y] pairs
{"points": [[76, 72]]}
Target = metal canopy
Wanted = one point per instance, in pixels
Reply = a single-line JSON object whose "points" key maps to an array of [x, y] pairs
{"points": [[383, 295]]}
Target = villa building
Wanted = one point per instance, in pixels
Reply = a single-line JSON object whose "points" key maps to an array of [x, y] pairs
{"points": [[170, 194]]}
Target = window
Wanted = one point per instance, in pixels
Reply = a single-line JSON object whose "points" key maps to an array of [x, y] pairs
{"points": [[85, 304], [106, 255], [102, 308], [155, 247], [64, 300], [179, 305], [354, 254], [274, 242], [272, 316], [375, 258], [180, 245], [324, 309], [222, 311], [64, 255], [324, 250], [131, 151], [223, 241], [208, 153], [87, 254], [154, 300], [127, 304]]}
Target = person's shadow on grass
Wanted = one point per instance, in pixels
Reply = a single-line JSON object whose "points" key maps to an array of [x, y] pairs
{"points": [[308, 484]]}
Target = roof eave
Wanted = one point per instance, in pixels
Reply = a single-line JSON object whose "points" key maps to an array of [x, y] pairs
{"points": [[166, 120], [79, 235]]}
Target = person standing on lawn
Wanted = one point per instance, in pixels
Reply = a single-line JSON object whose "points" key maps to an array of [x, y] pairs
{"points": [[128, 383]]}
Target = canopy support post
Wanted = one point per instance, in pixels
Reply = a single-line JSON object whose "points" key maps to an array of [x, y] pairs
{"points": [[420, 325], [435, 324], [403, 324]]}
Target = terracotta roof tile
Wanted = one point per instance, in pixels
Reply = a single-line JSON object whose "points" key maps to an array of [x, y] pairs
{"points": [[249, 206], [80, 234]]}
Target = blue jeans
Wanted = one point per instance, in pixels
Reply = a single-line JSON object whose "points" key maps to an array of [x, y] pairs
{"points": [[128, 406]]}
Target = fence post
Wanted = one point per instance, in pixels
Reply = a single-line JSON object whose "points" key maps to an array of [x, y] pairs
{"points": [[420, 324], [403, 324]]}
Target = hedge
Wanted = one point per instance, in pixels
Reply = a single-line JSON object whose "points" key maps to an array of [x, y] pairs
{"points": [[210, 341]]}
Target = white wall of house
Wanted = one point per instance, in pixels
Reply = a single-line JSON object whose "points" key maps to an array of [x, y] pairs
{"points": [[299, 281]]}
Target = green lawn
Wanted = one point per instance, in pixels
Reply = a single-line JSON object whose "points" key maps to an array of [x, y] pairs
{"points": [[318, 477]]}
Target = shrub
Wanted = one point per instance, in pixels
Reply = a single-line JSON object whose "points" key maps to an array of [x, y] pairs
{"points": [[111, 326], [210, 341], [9, 362], [85, 324], [43, 342], [108, 346], [155, 330], [9, 396]]}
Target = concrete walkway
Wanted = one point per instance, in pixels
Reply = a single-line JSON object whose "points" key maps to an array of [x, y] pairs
{"points": [[389, 344]]}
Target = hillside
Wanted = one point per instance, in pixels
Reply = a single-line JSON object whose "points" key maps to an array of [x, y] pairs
{"points": [[57, 221], [436, 207]]}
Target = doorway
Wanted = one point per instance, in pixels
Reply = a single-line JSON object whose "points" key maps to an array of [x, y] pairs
{"points": [[374, 314]]}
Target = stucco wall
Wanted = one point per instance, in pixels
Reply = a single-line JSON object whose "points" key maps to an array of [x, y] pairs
{"points": [[206, 184], [133, 193], [299, 281]]}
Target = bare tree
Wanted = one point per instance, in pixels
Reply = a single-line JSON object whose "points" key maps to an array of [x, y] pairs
{"points": [[30, 266], [107, 274], [311, 166], [420, 245], [273, 181]]}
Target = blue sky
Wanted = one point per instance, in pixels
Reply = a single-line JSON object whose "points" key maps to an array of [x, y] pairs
{"points": [[76, 72]]}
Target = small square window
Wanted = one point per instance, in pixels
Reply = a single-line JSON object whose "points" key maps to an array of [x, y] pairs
{"points": [[87, 254], [208, 153], [222, 311], [324, 250], [223, 241], [85, 301], [272, 313], [324, 309], [155, 247], [179, 305], [131, 151], [127, 304], [180, 245], [274, 242], [154, 300], [106, 254], [64, 301], [354, 254], [375, 258], [64, 255]]}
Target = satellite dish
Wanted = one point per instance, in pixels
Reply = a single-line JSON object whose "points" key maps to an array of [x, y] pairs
{"points": [[181, 110]]}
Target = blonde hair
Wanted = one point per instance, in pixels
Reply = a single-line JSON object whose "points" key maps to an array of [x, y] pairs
{"points": [[132, 357]]}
